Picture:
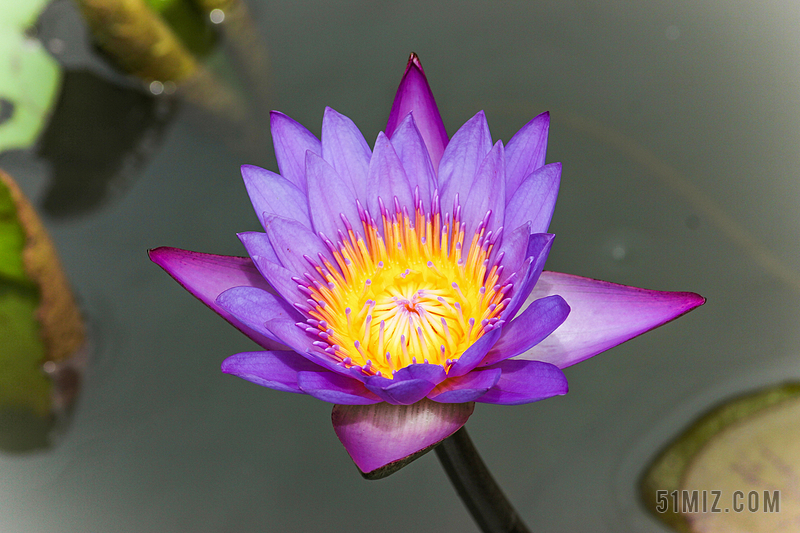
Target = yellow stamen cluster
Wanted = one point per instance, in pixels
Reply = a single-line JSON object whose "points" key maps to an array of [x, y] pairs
{"points": [[412, 294]]}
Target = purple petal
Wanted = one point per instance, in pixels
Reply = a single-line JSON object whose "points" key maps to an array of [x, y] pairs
{"points": [[276, 370], [383, 438], [329, 198], [461, 159], [525, 152], [291, 242], [416, 161], [531, 327], [414, 96], [514, 248], [410, 384], [387, 179], [603, 315], [525, 382], [280, 279], [292, 141], [487, 192], [206, 276], [344, 147], [335, 388], [539, 245], [535, 200], [272, 194], [257, 244], [254, 307], [465, 388], [474, 354]]}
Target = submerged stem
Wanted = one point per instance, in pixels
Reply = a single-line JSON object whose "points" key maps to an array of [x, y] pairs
{"points": [[474, 483]]}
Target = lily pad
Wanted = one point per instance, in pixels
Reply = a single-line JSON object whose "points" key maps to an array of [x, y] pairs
{"points": [[29, 77], [41, 327], [736, 469]]}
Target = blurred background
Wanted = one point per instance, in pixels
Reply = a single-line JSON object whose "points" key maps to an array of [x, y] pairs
{"points": [[677, 126]]}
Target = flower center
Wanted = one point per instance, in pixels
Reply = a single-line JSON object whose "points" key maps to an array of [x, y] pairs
{"points": [[409, 294]]}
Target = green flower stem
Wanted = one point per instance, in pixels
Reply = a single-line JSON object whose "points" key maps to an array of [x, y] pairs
{"points": [[474, 483]]}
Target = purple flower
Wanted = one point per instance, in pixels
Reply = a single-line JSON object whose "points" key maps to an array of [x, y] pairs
{"points": [[405, 283]]}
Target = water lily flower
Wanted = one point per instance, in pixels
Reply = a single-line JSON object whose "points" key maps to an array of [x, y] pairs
{"points": [[404, 283]]}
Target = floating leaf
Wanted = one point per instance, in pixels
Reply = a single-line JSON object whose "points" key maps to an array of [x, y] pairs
{"points": [[29, 77], [40, 325], [722, 474]]}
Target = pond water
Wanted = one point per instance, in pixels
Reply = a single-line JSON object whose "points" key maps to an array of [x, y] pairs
{"points": [[677, 125]]}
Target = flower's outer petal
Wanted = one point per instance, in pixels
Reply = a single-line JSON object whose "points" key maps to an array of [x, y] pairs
{"points": [[539, 245], [603, 315], [525, 382], [387, 179], [206, 276], [474, 354], [409, 384], [465, 388], [300, 341], [257, 244], [254, 307], [487, 193], [274, 369], [292, 242], [416, 161], [414, 96], [292, 141], [335, 388], [513, 247], [383, 438], [535, 200], [329, 198], [344, 147], [280, 278], [525, 152], [272, 194], [461, 159], [532, 326]]}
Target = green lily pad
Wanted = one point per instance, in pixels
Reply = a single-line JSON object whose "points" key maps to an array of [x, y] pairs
{"points": [[29, 77], [40, 326], [734, 469]]}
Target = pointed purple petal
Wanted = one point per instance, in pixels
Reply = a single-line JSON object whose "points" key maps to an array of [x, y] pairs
{"points": [[206, 276], [415, 159], [291, 241], [292, 141], [383, 438], [335, 388], [254, 307], [274, 369], [387, 179], [525, 152], [344, 147], [514, 248], [280, 279], [461, 159], [257, 244], [603, 315], [410, 384], [539, 245], [487, 192], [535, 200], [532, 326], [414, 96], [465, 388], [525, 382], [329, 198], [272, 194], [474, 354]]}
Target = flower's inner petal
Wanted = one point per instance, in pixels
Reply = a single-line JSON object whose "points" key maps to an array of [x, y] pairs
{"points": [[412, 290]]}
